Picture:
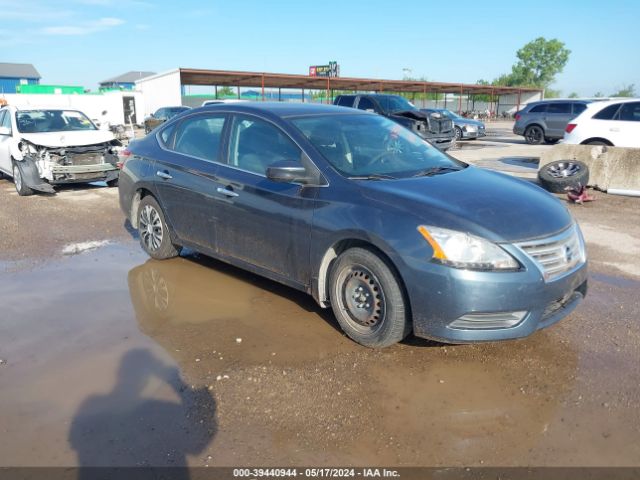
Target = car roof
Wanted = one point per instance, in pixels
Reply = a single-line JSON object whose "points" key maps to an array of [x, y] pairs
{"points": [[281, 109]]}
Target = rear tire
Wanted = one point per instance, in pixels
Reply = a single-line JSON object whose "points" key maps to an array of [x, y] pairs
{"points": [[368, 300], [551, 141], [598, 142], [112, 183], [534, 135], [155, 236], [558, 175], [18, 182]]}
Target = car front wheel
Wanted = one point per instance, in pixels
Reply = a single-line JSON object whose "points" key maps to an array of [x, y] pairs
{"points": [[18, 182], [155, 236], [368, 300]]}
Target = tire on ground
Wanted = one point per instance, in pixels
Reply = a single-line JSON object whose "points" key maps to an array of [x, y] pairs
{"points": [[163, 248], [557, 184], [394, 319]]}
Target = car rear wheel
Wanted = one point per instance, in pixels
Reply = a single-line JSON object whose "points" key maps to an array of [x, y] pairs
{"points": [[18, 182], [368, 300], [557, 176], [155, 236], [550, 141], [112, 183], [534, 135], [598, 142]]}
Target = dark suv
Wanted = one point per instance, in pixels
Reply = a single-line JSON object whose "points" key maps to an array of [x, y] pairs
{"points": [[546, 120], [435, 127]]}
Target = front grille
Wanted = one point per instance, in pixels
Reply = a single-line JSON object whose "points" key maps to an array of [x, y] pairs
{"points": [[557, 255], [438, 123]]}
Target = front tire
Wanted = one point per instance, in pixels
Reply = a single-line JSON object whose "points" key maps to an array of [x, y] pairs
{"points": [[368, 300], [458, 131], [155, 236], [18, 182]]}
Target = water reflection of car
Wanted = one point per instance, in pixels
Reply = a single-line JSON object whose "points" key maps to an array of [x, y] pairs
{"points": [[362, 213], [465, 128], [161, 115]]}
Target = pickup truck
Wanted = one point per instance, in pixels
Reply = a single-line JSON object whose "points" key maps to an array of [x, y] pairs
{"points": [[434, 127]]}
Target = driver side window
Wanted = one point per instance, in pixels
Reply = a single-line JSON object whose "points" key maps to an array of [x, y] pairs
{"points": [[256, 144], [5, 120]]}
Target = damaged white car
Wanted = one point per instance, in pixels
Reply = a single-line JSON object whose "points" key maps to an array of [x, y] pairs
{"points": [[42, 148]]}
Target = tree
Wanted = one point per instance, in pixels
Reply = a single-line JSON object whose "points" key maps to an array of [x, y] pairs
{"points": [[539, 61], [226, 92], [573, 95], [552, 93], [625, 91], [598, 94]]}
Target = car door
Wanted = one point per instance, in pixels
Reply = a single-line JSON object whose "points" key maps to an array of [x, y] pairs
{"points": [[264, 223], [5, 141], [557, 116], [185, 178], [625, 131]]}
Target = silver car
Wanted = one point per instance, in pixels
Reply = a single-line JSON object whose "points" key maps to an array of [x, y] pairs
{"points": [[465, 128], [546, 120]]}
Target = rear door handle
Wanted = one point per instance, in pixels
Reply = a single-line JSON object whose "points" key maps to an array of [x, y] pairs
{"points": [[226, 191], [614, 129], [164, 175]]}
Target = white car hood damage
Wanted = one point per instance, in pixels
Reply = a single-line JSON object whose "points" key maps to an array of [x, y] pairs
{"points": [[78, 138]]}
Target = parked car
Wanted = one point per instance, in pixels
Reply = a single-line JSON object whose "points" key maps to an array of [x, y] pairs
{"points": [[615, 123], [361, 213], [161, 115], [433, 127], [465, 128], [546, 120], [40, 148]]}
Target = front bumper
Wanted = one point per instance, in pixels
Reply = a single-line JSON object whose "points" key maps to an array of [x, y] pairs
{"points": [[440, 295], [442, 144], [83, 173]]}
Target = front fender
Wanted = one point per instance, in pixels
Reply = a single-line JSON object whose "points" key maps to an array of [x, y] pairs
{"points": [[14, 149], [31, 176]]}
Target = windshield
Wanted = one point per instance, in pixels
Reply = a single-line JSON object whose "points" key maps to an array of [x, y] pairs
{"points": [[43, 121], [392, 103], [372, 145]]}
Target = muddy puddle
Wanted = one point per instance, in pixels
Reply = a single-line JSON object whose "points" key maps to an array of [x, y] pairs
{"points": [[116, 359]]}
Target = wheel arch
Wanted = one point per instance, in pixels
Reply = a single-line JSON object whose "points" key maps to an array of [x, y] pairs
{"points": [[321, 292], [135, 203], [597, 139]]}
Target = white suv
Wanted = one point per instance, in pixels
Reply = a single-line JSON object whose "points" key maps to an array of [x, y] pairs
{"points": [[615, 123]]}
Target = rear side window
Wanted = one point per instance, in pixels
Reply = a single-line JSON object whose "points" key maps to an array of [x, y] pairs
{"points": [[346, 100], [200, 136], [165, 134], [630, 112], [5, 119], [579, 108], [559, 108], [255, 144], [607, 113], [366, 104], [539, 108]]}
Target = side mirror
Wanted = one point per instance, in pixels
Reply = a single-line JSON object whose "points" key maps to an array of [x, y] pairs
{"points": [[287, 171], [5, 131]]}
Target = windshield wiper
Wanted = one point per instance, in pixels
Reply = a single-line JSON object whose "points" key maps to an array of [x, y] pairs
{"points": [[435, 171], [373, 176]]}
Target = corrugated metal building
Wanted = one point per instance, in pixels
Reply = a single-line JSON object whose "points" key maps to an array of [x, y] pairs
{"points": [[14, 74]]}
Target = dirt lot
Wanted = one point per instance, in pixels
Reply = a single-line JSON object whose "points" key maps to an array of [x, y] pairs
{"points": [[109, 358]]}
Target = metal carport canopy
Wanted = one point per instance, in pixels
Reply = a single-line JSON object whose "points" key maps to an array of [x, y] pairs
{"points": [[192, 76]]}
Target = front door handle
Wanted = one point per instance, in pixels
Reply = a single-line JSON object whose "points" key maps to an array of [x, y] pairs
{"points": [[614, 129], [164, 175], [227, 192]]}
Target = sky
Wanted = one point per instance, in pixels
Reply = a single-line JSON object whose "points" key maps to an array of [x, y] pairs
{"points": [[82, 42]]}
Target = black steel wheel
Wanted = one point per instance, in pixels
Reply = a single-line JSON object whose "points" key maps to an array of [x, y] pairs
{"points": [[534, 135], [557, 176], [368, 300]]}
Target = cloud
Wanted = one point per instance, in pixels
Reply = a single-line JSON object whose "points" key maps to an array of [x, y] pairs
{"points": [[85, 28], [18, 11]]}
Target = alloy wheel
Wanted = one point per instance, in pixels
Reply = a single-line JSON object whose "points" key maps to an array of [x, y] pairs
{"points": [[151, 230]]}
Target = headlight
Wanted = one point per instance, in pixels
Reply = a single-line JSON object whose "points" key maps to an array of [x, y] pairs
{"points": [[461, 250]]}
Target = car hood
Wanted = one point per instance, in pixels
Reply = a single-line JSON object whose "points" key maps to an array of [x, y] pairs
{"points": [[484, 203], [68, 139], [468, 121]]}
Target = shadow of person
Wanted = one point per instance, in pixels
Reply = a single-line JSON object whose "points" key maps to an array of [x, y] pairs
{"points": [[123, 428]]}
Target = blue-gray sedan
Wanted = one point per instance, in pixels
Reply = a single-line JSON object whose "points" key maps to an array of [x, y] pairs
{"points": [[361, 213]]}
